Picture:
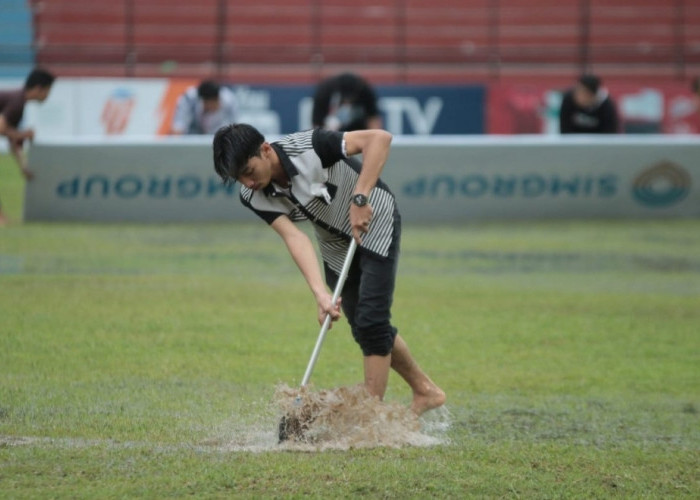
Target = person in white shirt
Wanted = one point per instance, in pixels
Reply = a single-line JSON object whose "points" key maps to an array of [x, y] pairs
{"points": [[204, 109]]}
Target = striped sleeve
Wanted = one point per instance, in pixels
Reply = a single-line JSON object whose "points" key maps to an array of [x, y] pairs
{"points": [[328, 146]]}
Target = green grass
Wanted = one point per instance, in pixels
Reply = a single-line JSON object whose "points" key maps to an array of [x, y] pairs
{"points": [[11, 187], [131, 355]]}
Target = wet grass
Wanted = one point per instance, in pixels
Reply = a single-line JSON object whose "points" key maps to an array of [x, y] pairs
{"points": [[134, 358]]}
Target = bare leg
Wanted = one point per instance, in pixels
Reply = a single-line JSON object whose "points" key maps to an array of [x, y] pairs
{"points": [[377, 374], [426, 395]]}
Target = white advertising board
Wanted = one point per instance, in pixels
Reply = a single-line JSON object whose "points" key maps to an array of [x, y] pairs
{"points": [[121, 107], [447, 179]]}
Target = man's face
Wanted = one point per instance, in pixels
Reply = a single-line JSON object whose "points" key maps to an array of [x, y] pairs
{"points": [[257, 173], [211, 105], [38, 93], [583, 97]]}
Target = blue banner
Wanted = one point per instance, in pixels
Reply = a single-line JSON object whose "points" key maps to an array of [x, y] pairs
{"points": [[406, 109]]}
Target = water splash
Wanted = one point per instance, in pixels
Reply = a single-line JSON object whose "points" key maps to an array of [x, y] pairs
{"points": [[349, 417]]}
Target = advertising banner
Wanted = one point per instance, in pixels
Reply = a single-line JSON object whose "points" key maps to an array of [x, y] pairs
{"points": [[435, 180], [109, 107], [537, 177], [170, 179], [650, 109]]}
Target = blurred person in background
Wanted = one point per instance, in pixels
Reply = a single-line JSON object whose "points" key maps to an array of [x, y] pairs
{"points": [[37, 87], [204, 109], [695, 87], [344, 103], [588, 109]]}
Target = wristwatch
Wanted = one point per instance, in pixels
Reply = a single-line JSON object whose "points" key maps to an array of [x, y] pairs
{"points": [[360, 200]]}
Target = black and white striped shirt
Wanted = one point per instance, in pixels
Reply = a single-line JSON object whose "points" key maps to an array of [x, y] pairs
{"points": [[321, 184]]}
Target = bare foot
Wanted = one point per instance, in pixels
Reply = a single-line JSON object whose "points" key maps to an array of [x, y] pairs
{"points": [[432, 397]]}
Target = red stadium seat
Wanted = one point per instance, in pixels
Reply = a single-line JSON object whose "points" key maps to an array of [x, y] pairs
{"points": [[407, 40]]}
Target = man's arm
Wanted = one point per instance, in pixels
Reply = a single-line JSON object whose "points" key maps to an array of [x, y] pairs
{"points": [[18, 152], [16, 138], [12, 133], [374, 146], [302, 251]]}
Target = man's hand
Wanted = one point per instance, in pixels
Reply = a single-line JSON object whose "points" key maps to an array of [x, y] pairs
{"points": [[360, 217], [18, 153], [28, 134], [326, 306], [28, 174]]}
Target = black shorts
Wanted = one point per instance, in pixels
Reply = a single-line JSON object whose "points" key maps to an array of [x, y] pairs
{"points": [[368, 295]]}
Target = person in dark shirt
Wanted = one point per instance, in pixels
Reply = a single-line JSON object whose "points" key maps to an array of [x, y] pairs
{"points": [[345, 102], [588, 109], [12, 102]]}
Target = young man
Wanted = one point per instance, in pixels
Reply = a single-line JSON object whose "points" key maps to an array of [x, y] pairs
{"points": [[204, 109], [36, 88], [588, 109], [308, 176]]}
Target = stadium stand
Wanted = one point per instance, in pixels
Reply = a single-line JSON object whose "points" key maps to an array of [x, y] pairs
{"points": [[16, 37], [413, 41]]}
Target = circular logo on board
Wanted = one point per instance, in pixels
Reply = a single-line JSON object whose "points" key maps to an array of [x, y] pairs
{"points": [[661, 185]]}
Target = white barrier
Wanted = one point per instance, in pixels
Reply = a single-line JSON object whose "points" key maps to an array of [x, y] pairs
{"points": [[444, 179]]}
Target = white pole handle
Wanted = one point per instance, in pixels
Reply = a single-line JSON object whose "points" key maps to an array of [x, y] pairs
{"points": [[327, 322]]}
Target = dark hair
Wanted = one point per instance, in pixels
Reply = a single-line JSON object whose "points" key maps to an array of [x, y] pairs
{"points": [[696, 85], [208, 90], [233, 146], [39, 78], [591, 82]]}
